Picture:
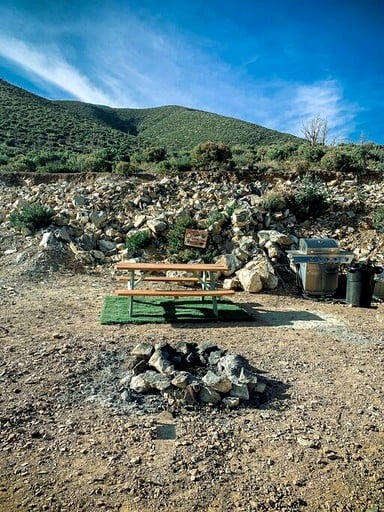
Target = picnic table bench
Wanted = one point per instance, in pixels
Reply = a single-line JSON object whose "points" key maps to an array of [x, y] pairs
{"points": [[204, 273]]}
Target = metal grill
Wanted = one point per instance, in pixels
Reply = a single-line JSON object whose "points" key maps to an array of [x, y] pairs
{"points": [[317, 263]]}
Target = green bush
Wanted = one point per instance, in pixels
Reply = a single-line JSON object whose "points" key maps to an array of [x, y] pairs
{"points": [[311, 198], [300, 166], [230, 208], [280, 151], [154, 154], [336, 159], [273, 200], [32, 217], [176, 234], [163, 167], [176, 249], [138, 241], [91, 163], [215, 217], [3, 159], [22, 163], [123, 168], [181, 163], [210, 155], [222, 216], [378, 219], [311, 153]]}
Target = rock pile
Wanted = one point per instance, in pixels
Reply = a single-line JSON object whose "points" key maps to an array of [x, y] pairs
{"points": [[95, 217], [190, 374]]}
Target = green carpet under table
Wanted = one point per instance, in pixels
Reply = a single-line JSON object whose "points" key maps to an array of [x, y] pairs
{"points": [[165, 310]]}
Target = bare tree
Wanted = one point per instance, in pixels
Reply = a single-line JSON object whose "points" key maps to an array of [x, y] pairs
{"points": [[315, 131]]}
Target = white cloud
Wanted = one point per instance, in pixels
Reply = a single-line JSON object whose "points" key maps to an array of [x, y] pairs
{"points": [[324, 99], [51, 67], [287, 106]]}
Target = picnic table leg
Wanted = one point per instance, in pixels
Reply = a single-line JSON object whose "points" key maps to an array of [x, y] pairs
{"points": [[212, 280], [214, 307], [212, 285], [203, 283], [132, 286], [130, 306], [204, 280]]}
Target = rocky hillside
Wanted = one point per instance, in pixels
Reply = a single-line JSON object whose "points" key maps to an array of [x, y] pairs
{"points": [[95, 216]]}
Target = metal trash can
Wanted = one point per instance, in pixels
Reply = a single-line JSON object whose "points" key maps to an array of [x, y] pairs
{"points": [[317, 265], [360, 283]]}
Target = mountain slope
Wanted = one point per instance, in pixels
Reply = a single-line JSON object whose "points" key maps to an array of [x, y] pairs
{"points": [[180, 127], [30, 122]]}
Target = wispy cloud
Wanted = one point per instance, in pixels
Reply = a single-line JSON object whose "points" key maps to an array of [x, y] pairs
{"points": [[50, 66], [324, 99], [287, 106]]}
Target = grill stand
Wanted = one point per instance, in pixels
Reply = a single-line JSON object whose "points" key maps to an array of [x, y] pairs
{"points": [[317, 264]]}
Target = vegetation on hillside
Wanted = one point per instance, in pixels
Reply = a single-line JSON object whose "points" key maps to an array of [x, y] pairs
{"points": [[30, 125], [38, 135]]}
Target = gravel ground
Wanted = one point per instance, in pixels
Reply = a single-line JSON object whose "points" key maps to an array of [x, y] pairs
{"points": [[70, 443]]}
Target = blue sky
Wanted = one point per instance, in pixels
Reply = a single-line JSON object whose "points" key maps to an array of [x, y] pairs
{"points": [[277, 63]]}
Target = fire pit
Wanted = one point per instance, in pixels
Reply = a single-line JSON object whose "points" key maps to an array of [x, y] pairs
{"points": [[190, 374]]}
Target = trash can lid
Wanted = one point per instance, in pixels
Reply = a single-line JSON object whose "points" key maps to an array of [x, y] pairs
{"points": [[365, 266]]}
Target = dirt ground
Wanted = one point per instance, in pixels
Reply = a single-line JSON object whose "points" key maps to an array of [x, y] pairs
{"points": [[69, 443]]}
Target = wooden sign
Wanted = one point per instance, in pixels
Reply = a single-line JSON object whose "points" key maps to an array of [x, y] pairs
{"points": [[196, 238]]}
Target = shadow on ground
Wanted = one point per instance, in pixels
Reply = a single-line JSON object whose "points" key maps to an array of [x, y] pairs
{"points": [[262, 317], [286, 318]]}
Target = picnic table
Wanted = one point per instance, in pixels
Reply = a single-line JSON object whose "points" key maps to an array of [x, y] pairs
{"points": [[204, 274]]}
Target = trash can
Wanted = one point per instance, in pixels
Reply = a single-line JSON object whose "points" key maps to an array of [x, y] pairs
{"points": [[360, 284]]}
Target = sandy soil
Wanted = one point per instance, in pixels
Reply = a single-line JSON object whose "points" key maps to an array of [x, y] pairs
{"points": [[69, 443]]}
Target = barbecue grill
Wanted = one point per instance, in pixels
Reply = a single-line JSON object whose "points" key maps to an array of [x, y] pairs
{"points": [[317, 263]]}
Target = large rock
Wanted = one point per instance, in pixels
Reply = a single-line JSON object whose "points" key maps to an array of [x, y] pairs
{"points": [[240, 391], [275, 237], [258, 274], [139, 220], [157, 225], [143, 350], [159, 361], [250, 279], [231, 262], [98, 218], [149, 380], [209, 395], [241, 217], [237, 369], [107, 246], [232, 283], [220, 383]]}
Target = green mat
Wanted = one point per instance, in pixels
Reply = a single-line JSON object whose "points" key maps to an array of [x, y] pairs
{"points": [[164, 310]]}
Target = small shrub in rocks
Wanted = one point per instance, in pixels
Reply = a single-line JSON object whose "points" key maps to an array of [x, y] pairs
{"points": [[378, 219], [311, 198], [32, 217], [138, 241], [175, 239], [273, 201]]}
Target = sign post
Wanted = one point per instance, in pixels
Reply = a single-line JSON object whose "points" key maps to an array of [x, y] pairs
{"points": [[196, 238]]}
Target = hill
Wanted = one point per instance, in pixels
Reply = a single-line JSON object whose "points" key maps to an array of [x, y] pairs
{"points": [[31, 123], [176, 127]]}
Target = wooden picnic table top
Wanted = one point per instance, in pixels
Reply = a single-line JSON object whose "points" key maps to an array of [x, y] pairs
{"points": [[164, 267]]}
